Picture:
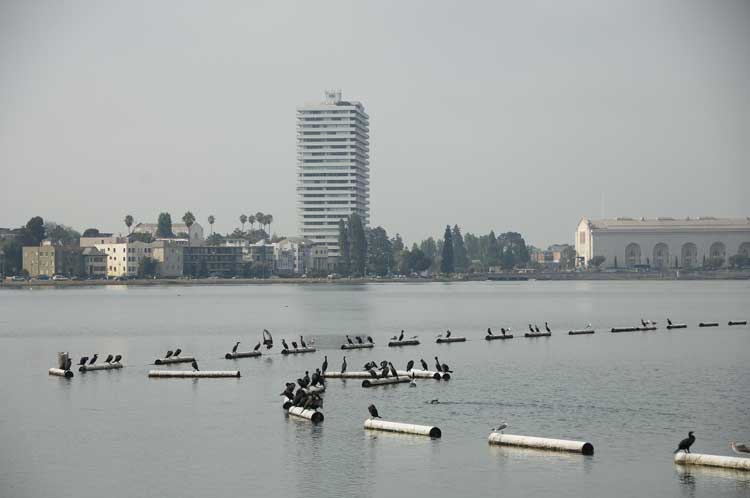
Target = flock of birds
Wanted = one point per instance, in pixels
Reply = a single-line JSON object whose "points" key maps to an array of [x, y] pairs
{"points": [[685, 444], [85, 360]]}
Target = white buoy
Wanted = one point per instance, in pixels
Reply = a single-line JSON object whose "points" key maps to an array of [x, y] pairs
{"points": [[366, 345], [101, 366], [169, 361], [726, 462], [420, 430], [298, 350], [172, 374], [311, 415], [542, 443], [405, 342], [708, 324], [246, 354], [61, 373], [581, 332], [384, 381], [445, 340]]}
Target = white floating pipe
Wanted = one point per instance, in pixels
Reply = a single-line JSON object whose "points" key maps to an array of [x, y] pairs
{"points": [[61, 373], [537, 334], [246, 354], [287, 404], [726, 462], [624, 329], [314, 389], [424, 374], [102, 366], [542, 443], [649, 327], [298, 351], [493, 337], [406, 342], [420, 430], [737, 322], [179, 359], [347, 375], [677, 326], [708, 324], [192, 373], [311, 415], [445, 340], [581, 332], [366, 345], [385, 381]]}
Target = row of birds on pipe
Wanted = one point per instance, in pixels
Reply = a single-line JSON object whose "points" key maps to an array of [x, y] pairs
{"points": [[387, 368]]}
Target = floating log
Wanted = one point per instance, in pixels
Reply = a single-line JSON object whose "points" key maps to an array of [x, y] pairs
{"points": [[347, 375], [542, 443], [193, 373], [445, 340], [581, 332], [298, 350], [405, 342], [246, 354], [644, 329], [677, 326], [366, 345], [179, 359], [102, 366], [61, 373], [420, 430], [726, 462], [423, 374], [311, 415], [624, 329], [493, 337], [537, 334], [708, 324], [384, 381], [737, 322]]}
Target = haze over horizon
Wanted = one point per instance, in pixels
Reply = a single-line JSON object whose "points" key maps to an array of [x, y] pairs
{"points": [[492, 116]]}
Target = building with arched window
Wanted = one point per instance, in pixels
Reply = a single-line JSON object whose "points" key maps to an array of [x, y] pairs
{"points": [[662, 243]]}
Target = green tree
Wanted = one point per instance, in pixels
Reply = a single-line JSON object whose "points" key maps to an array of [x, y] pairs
{"points": [[345, 262], [35, 231], [358, 245], [61, 234], [243, 220], [251, 220], [739, 261], [147, 267], [430, 250], [164, 226], [714, 263], [188, 219], [472, 247], [459, 250], [379, 252], [90, 232], [269, 221], [397, 246], [568, 258], [140, 237], [211, 221], [215, 239], [128, 222], [447, 265], [596, 261], [259, 216]]}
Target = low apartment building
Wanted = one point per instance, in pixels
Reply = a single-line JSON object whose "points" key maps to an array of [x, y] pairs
{"points": [[94, 262], [124, 259], [292, 255], [50, 259], [221, 261]]}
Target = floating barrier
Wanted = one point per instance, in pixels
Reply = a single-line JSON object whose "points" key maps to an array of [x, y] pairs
{"points": [[624, 329], [311, 415], [103, 366], [314, 389], [246, 354], [61, 373], [424, 374], [420, 430], [537, 334], [169, 361], [649, 327], [726, 462], [677, 326], [581, 332], [737, 322], [166, 374], [366, 345], [493, 337], [406, 342], [298, 351], [708, 324], [542, 443], [384, 381], [347, 375], [445, 340]]}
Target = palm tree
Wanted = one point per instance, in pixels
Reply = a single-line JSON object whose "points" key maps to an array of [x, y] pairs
{"points": [[269, 220], [243, 220], [251, 220], [128, 222], [259, 218], [188, 218], [211, 220]]}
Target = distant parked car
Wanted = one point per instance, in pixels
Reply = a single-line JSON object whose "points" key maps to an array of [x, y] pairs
{"points": [[59, 278], [19, 278], [43, 277]]}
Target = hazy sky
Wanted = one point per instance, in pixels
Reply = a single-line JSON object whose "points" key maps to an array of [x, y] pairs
{"points": [[493, 115]]}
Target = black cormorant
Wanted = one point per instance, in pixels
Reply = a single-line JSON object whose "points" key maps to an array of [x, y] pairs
{"points": [[93, 359], [169, 354], [284, 344], [686, 443], [349, 340], [257, 346], [437, 365], [401, 337], [109, 358], [234, 349], [424, 364], [118, 358], [369, 339], [447, 334], [294, 344], [359, 339], [343, 365], [373, 411], [393, 370], [547, 327], [177, 352], [302, 342], [325, 364], [195, 365], [83, 361], [267, 339], [536, 328], [409, 365], [531, 329], [489, 331]]}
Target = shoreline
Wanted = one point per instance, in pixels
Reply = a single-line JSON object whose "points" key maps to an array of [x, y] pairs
{"points": [[557, 276]]}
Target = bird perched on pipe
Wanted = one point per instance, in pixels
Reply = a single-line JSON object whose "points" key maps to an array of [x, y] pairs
{"points": [[343, 366], [68, 364], [267, 339], [349, 340], [284, 345], [369, 339], [401, 337], [257, 346], [686, 443], [325, 364], [93, 359], [302, 342], [447, 333], [740, 448], [501, 427], [393, 370], [109, 359], [359, 339], [169, 354], [424, 364], [118, 358], [83, 361], [195, 365], [177, 352], [409, 365], [294, 344], [373, 411], [236, 345]]}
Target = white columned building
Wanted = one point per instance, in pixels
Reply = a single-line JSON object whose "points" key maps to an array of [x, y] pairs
{"points": [[333, 168]]}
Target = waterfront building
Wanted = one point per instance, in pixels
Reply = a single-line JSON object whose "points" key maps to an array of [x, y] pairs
{"points": [[292, 255], [662, 243], [102, 238], [196, 230], [168, 257], [318, 260], [94, 262], [222, 261], [49, 259], [10, 233], [124, 258], [333, 168], [262, 253]]}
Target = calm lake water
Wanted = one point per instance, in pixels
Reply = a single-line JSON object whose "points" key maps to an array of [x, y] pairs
{"points": [[118, 433]]}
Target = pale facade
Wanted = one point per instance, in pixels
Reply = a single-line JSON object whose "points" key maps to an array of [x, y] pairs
{"points": [[333, 167], [292, 255], [661, 242], [196, 230], [123, 259]]}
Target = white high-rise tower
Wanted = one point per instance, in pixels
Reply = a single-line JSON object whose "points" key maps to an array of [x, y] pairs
{"points": [[333, 167]]}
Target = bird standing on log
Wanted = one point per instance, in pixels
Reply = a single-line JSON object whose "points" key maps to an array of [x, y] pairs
{"points": [[447, 334], [343, 366], [373, 411], [169, 354], [369, 339], [302, 342], [401, 337], [547, 327], [267, 339], [325, 364], [284, 345], [393, 370], [257, 346], [686, 443], [109, 359], [177, 352], [489, 331], [294, 344], [349, 340], [359, 339], [195, 365], [234, 349], [424, 364], [409, 365], [68, 364], [83, 361], [118, 358], [536, 328], [93, 359]]}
